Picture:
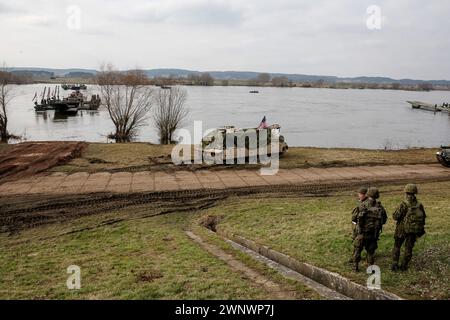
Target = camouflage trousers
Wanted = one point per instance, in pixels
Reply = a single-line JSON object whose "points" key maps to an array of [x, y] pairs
{"points": [[364, 242], [409, 240]]}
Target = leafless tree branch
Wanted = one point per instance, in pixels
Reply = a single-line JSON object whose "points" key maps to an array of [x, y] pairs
{"points": [[128, 99], [169, 112]]}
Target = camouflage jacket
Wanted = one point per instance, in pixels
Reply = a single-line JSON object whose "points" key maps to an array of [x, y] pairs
{"points": [[357, 209], [384, 216], [399, 216], [355, 215]]}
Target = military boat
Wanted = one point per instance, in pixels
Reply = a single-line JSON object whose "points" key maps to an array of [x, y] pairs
{"points": [[445, 107], [443, 156], [69, 105]]}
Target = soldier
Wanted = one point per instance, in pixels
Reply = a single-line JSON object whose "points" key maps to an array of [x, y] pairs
{"points": [[370, 220], [362, 191], [410, 217]]}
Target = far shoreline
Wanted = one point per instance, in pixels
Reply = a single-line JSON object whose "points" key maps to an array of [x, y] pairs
{"points": [[247, 83]]}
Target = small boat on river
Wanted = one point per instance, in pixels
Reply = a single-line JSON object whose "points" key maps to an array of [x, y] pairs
{"points": [[74, 86], [445, 107]]}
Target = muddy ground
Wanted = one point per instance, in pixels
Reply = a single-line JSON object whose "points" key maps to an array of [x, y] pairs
{"points": [[29, 158], [21, 212]]}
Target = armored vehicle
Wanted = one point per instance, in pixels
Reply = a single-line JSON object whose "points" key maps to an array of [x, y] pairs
{"points": [[443, 156], [243, 142]]}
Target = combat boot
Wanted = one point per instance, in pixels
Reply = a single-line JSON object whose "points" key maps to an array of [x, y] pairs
{"points": [[370, 259]]}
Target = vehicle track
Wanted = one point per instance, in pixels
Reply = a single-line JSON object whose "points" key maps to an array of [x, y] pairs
{"points": [[27, 211]]}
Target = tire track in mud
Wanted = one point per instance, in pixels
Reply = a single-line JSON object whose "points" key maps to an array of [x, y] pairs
{"points": [[26, 211]]}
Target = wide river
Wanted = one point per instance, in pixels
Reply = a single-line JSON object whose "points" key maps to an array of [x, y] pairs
{"points": [[308, 117]]}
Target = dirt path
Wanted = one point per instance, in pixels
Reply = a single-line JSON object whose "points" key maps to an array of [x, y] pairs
{"points": [[276, 291], [146, 181], [29, 158], [47, 199]]}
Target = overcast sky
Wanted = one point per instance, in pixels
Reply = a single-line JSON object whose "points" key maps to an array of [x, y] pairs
{"points": [[323, 37]]}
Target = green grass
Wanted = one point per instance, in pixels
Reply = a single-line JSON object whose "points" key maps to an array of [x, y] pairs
{"points": [[341, 157], [318, 230], [153, 258], [137, 259], [302, 292]]}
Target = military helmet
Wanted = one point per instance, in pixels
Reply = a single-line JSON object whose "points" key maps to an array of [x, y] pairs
{"points": [[373, 193], [411, 188], [362, 190]]}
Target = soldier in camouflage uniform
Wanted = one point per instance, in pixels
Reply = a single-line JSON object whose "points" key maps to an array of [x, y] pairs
{"points": [[362, 191], [370, 220], [410, 216]]}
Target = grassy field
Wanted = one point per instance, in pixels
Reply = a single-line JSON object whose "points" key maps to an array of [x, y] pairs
{"points": [[103, 157], [137, 259], [113, 156], [341, 157], [152, 258], [318, 230]]}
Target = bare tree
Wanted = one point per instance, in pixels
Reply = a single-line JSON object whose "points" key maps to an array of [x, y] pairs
{"points": [[263, 78], [425, 86], [169, 112], [6, 96], [201, 79], [281, 81], [128, 99]]}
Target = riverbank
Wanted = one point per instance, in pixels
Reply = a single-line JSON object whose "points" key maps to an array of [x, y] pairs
{"points": [[98, 157], [24, 160], [68, 216], [280, 82]]}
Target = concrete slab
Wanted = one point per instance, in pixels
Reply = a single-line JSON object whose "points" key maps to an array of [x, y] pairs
{"points": [[96, 182]]}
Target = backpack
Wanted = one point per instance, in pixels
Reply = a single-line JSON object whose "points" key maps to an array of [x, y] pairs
{"points": [[372, 220], [414, 221]]}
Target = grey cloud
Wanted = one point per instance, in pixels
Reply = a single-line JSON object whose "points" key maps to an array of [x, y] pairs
{"points": [[10, 9], [293, 36]]}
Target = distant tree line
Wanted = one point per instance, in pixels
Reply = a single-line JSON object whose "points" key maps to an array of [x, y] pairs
{"points": [[16, 77], [200, 79]]}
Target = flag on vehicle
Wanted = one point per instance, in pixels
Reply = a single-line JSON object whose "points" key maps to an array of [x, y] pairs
{"points": [[263, 124]]}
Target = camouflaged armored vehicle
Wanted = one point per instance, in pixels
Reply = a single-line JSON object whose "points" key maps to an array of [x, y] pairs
{"points": [[243, 142], [443, 156]]}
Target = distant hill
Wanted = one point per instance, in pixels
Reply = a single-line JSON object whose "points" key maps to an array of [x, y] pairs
{"points": [[33, 73], [79, 74], [238, 75], [56, 72]]}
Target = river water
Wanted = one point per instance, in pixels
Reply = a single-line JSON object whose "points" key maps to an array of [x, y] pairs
{"points": [[308, 117]]}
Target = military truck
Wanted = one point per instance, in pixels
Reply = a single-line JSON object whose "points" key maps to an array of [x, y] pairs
{"points": [[443, 156], [244, 143]]}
